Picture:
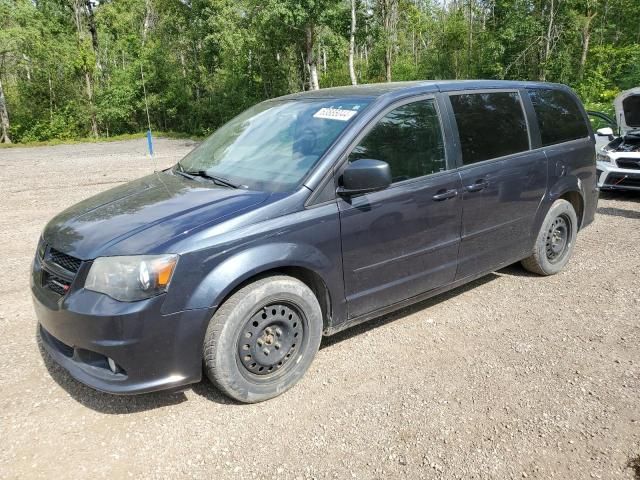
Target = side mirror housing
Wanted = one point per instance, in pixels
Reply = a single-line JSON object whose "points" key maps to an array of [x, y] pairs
{"points": [[605, 132], [364, 176]]}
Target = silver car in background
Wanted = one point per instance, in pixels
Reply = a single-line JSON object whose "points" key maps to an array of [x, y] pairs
{"points": [[618, 156]]}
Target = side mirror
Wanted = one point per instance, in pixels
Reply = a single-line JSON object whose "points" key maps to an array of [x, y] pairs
{"points": [[605, 132], [365, 175]]}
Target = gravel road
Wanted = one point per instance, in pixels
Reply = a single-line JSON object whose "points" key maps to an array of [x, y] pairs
{"points": [[512, 376]]}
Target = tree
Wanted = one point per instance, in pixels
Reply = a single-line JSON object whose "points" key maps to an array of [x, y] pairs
{"points": [[586, 37], [352, 44], [83, 15], [389, 16], [5, 136]]}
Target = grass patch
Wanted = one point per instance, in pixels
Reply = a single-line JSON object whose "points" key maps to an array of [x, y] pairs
{"points": [[116, 138]]}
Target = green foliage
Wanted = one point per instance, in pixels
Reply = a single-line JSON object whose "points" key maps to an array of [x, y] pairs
{"points": [[611, 69], [205, 60]]}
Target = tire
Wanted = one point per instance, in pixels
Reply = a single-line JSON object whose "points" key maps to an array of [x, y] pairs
{"points": [[263, 339], [556, 240]]}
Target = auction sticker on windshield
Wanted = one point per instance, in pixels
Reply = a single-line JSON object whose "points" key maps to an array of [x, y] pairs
{"points": [[335, 114]]}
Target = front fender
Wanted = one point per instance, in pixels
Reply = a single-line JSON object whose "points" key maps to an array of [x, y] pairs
{"points": [[234, 270]]}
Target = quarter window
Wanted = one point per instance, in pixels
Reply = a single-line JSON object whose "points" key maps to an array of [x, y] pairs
{"points": [[490, 125], [559, 117], [409, 139]]}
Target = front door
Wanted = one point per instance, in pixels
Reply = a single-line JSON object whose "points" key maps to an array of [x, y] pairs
{"points": [[402, 241]]}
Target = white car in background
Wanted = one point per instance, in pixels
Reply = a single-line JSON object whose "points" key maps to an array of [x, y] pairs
{"points": [[618, 157]]}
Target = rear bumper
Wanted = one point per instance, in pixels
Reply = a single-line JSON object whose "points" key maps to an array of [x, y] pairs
{"points": [[590, 196], [153, 351]]}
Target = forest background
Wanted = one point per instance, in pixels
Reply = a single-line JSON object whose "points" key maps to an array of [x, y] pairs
{"points": [[72, 69]]}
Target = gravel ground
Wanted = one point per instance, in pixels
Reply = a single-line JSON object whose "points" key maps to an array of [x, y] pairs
{"points": [[512, 376]]}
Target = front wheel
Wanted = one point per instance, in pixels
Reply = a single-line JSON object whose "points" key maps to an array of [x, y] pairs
{"points": [[263, 339], [555, 241]]}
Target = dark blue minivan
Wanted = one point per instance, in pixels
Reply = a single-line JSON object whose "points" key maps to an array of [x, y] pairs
{"points": [[303, 216]]}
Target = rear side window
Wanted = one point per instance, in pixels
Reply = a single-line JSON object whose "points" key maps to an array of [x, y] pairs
{"points": [[409, 139], [490, 125], [559, 117]]}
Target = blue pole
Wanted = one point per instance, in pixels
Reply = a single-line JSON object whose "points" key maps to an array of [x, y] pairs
{"points": [[150, 142]]}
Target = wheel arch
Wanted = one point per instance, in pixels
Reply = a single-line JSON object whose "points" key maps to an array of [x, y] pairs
{"points": [[568, 188], [305, 263], [577, 202]]}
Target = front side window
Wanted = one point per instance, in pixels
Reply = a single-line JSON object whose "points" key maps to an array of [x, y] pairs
{"points": [[273, 145], [409, 139], [490, 125], [559, 117]]}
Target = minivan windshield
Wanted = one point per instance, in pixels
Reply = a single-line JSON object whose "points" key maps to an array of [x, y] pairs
{"points": [[273, 145]]}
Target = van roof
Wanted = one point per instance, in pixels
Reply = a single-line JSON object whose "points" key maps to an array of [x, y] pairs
{"points": [[400, 89]]}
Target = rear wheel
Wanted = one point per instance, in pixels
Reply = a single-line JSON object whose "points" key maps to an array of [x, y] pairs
{"points": [[262, 340], [555, 241]]}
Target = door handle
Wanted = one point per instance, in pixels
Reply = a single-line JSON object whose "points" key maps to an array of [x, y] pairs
{"points": [[444, 195], [477, 186]]}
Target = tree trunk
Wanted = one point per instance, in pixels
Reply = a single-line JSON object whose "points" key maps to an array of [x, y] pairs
{"points": [[470, 39], [148, 20], [50, 98], [4, 117], [366, 48], [352, 43], [91, 21], [312, 63], [94, 121], [183, 64], [77, 16], [324, 60], [389, 10], [303, 80], [387, 64], [78, 6], [27, 66], [586, 37], [547, 44]]}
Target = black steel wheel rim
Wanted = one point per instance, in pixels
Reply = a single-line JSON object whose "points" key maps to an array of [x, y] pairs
{"points": [[557, 241], [271, 339]]}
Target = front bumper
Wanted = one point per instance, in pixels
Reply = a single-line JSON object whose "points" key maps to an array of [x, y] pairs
{"points": [[611, 177], [154, 351]]}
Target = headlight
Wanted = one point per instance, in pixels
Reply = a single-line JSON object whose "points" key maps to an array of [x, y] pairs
{"points": [[41, 247], [131, 278], [603, 157]]}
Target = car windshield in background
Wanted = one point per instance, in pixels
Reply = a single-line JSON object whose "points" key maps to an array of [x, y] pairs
{"points": [[273, 145]]}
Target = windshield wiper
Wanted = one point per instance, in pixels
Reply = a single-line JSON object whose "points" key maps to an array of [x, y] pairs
{"points": [[181, 172], [203, 174], [217, 180]]}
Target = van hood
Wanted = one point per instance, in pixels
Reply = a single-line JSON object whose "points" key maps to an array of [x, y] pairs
{"points": [[627, 106], [155, 209]]}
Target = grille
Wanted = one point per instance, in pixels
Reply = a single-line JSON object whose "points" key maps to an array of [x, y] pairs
{"points": [[631, 163], [65, 261], [55, 283]]}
